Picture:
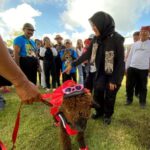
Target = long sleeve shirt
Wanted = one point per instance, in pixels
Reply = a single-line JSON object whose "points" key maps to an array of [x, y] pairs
{"points": [[43, 50], [139, 56]]}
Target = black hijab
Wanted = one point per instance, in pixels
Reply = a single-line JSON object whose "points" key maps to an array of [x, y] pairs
{"points": [[104, 23]]}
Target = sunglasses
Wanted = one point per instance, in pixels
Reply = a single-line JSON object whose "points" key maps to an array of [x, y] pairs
{"points": [[32, 30], [75, 88]]}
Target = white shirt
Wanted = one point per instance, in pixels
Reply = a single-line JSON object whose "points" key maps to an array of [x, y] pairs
{"points": [[43, 50], [79, 52], [139, 56]]}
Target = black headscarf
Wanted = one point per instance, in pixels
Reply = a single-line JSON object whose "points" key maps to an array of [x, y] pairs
{"points": [[104, 23]]}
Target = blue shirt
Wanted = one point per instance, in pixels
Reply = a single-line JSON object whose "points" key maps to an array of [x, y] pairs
{"points": [[68, 55], [25, 45]]}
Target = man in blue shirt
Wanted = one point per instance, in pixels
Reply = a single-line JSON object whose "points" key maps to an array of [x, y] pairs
{"points": [[25, 55], [67, 55]]}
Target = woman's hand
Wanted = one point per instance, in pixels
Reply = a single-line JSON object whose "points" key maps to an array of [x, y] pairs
{"points": [[112, 86], [28, 92], [68, 69]]}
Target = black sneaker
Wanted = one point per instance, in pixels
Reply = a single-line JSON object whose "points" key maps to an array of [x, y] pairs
{"points": [[107, 120]]}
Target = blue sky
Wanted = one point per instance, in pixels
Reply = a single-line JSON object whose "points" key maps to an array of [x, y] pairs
{"points": [[70, 17]]}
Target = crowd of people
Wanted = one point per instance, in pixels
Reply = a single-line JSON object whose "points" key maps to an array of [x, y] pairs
{"points": [[99, 59]]}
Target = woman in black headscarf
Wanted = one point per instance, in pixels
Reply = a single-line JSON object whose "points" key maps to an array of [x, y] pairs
{"points": [[106, 54]]}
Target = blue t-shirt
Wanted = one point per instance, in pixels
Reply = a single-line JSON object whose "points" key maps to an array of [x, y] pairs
{"points": [[25, 45], [68, 55]]}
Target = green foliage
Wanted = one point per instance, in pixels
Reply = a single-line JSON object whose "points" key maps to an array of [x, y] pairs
{"points": [[13, 35], [130, 128]]}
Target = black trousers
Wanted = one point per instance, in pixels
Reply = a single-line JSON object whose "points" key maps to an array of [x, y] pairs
{"points": [[84, 73], [49, 69], [139, 78], [29, 66], [71, 76], [106, 100], [58, 64], [89, 82], [58, 70]]}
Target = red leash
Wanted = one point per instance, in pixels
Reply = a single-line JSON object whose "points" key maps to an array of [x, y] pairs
{"points": [[16, 128], [15, 131], [2, 146], [17, 123]]}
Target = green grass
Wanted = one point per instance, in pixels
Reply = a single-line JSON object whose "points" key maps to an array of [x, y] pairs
{"points": [[130, 128]]}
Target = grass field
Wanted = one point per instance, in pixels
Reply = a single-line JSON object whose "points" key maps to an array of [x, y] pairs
{"points": [[130, 128]]}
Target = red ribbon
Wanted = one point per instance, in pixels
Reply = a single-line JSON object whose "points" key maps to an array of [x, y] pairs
{"points": [[16, 128], [2, 146]]}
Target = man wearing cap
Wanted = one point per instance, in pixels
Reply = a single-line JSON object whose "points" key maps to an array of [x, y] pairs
{"points": [[59, 46], [138, 66], [25, 49]]}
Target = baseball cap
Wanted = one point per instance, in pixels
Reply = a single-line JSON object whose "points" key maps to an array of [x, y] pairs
{"points": [[29, 26]]}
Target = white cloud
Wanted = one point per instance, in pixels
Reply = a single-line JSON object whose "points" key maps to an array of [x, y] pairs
{"points": [[125, 13], [73, 37], [53, 35], [2, 2], [42, 1], [69, 27], [14, 18]]}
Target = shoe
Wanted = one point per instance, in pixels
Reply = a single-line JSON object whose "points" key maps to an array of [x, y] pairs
{"points": [[128, 103], [143, 105], [107, 120]]}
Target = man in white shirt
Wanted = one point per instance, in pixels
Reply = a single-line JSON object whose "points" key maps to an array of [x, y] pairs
{"points": [[136, 37], [137, 66]]}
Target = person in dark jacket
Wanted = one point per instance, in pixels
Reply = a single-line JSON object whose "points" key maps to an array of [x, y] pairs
{"points": [[106, 53]]}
